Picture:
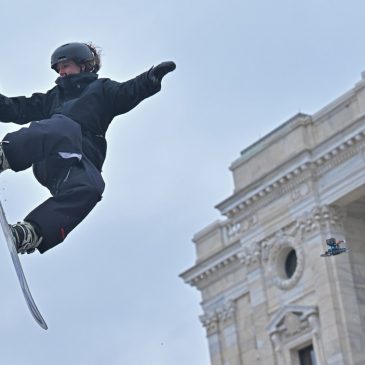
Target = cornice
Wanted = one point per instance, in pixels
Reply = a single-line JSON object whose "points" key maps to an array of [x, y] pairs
{"points": [[266, 250], [274, 136], [313, 164], [212, 265]]}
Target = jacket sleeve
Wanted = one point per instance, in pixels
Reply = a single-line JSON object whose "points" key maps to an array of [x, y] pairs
{"points": [[22, 110], [125, 96]]}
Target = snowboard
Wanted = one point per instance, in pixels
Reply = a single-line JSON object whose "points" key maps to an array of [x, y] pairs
{"points": [[19, 270]]}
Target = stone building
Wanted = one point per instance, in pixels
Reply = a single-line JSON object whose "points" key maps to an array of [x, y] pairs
{"points": [[267, 295]]}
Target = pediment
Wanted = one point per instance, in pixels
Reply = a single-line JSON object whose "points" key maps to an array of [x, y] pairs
{"points": [[290, 318]]}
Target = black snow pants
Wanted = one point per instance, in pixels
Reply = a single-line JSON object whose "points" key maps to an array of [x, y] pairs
{"points": [[54, 148]]}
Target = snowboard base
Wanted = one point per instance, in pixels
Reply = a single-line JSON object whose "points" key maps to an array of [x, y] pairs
{"points": [[19, 271]]}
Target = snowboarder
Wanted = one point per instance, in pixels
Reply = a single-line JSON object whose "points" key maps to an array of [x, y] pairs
{"points": [[65, 141]]}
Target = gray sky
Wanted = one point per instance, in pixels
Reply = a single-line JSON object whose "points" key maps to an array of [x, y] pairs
{"points": [[111, 293]]}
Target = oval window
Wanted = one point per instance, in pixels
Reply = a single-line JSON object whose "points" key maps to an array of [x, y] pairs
{"points": [[290, 263]]}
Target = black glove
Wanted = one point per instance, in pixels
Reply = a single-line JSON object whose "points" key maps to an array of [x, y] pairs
{"points": [[156, 73]]}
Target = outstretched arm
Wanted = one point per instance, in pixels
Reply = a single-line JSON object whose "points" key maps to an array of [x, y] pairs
{"points": [[127, 95], [20, 109]]}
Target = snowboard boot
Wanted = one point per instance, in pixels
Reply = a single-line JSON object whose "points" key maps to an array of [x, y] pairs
{"points": [[4, 164], [25, 236]]}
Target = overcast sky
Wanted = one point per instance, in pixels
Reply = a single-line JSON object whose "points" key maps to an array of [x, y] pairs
{"points": [[111, 292]]}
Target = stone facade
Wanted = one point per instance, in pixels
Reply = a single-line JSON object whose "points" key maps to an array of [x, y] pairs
{"points": [[297, 186]]}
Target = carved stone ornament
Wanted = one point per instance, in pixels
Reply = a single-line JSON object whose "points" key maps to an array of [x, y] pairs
{"points": [[300, 191], [292, 321], [222, 314], [226, 311], [210, 322], [236, 228], [250, 252], [325, 217], [278, 249]]}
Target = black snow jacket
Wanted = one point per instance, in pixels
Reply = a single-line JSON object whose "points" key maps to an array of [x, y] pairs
{"points": [[88, 100]]}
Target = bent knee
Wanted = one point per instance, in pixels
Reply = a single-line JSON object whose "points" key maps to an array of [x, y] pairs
{"points": [[91, 194]]}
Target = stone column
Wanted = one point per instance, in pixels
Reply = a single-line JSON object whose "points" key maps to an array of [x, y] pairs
{"points": [[222, 335], [250, 255], [313, 321], [210, 322], [229, 335], [339, 312], [275, 339]]}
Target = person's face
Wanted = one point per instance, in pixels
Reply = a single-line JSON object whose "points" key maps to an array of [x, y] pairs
{"points": [[68, 67]]}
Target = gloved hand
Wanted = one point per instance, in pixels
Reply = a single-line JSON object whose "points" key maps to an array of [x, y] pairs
{"points": [[156, 73]]}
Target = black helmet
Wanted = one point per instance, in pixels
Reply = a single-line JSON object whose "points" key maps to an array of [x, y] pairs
{"points": [[78, 52]]}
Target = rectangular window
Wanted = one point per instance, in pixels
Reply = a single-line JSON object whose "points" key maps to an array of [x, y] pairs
{"points": [[306, 356]]}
